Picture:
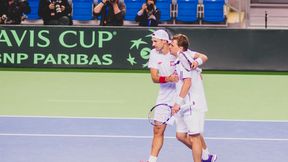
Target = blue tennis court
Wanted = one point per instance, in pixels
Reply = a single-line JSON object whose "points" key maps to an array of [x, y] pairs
{"points": [[56, 139]]}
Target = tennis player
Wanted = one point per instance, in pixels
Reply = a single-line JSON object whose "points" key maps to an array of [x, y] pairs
{"points": [[161, 65], [162, 70], [190, 90]]}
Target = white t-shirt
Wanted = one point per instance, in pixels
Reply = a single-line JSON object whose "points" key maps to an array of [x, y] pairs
{"points": [[165, 66], [196, 95]]}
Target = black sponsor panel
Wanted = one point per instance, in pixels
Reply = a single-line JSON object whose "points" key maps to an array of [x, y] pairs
{"points": [[74, 47], [129, 47], [239, 49]]}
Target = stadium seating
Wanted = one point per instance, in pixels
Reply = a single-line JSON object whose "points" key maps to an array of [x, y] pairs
{"points": [[34, 5], [214, 11], [165, 8], [82, 10], [186, 11], [132, 7]]}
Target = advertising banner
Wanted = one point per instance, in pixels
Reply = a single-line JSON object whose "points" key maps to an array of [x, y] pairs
{"points": [[75, 47], [129, 47]]}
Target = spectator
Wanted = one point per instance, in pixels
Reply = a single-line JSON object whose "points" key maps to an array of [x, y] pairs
{"points": [[55, 12], [112, 12], [13, 11], [149, 14]]}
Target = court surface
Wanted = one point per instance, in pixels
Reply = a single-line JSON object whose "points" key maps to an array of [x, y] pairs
{"points": [[101, 117], [42, 139]]}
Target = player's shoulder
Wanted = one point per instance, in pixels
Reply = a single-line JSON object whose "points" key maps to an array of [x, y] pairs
{"points": [[154, 51], [191, 52], [171, 55]]}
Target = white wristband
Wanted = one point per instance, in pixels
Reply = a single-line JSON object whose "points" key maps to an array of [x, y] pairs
{"points": [[199, 60], [179, 101]]}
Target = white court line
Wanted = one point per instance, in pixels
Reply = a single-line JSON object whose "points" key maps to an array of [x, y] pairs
{"points": [[135, 137], [128, 118], [88, 101]]}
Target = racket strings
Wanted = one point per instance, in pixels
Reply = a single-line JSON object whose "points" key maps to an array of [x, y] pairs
{"points": [[159, 115]]}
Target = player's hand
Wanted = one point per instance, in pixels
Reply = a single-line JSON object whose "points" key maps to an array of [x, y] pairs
{"points": [[194, 65], [173, 78], [175, 109]]}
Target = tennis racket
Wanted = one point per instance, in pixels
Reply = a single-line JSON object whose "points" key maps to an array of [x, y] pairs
{"points": [[186, 61], [161, 114]]}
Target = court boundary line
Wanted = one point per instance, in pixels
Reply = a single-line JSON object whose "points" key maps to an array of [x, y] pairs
{"points": [[134, 137], [128, 118]]}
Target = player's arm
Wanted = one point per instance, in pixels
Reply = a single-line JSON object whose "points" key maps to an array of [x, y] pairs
{"points": [[200, 59], [156, 78], [183, 92], [185, 87], [202, 56]]}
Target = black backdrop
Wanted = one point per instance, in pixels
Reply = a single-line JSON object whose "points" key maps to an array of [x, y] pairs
{"points": [[128, 47]]}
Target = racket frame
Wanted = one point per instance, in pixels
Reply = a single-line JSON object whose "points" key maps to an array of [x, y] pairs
{"points": [[190, 63], [152, 121]]}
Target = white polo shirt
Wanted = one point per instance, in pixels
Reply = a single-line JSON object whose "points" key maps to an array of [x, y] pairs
{"points": [[165, 66], [196, 95]]}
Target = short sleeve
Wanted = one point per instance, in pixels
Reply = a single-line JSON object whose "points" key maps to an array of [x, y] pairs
{"points": [[152, 63], [192, 53]]}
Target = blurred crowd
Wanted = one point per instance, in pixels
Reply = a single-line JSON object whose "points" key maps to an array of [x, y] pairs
{"points": [[13, 11], [59, 12]]}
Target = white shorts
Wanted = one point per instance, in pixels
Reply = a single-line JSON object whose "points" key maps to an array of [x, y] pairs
{"points": [[191, 124]]}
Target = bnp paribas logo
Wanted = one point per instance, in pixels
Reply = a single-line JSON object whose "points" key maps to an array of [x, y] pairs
{"points": [[139, 50]]}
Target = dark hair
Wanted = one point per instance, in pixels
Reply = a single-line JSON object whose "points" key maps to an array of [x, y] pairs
{"points": [[182, 41]]}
